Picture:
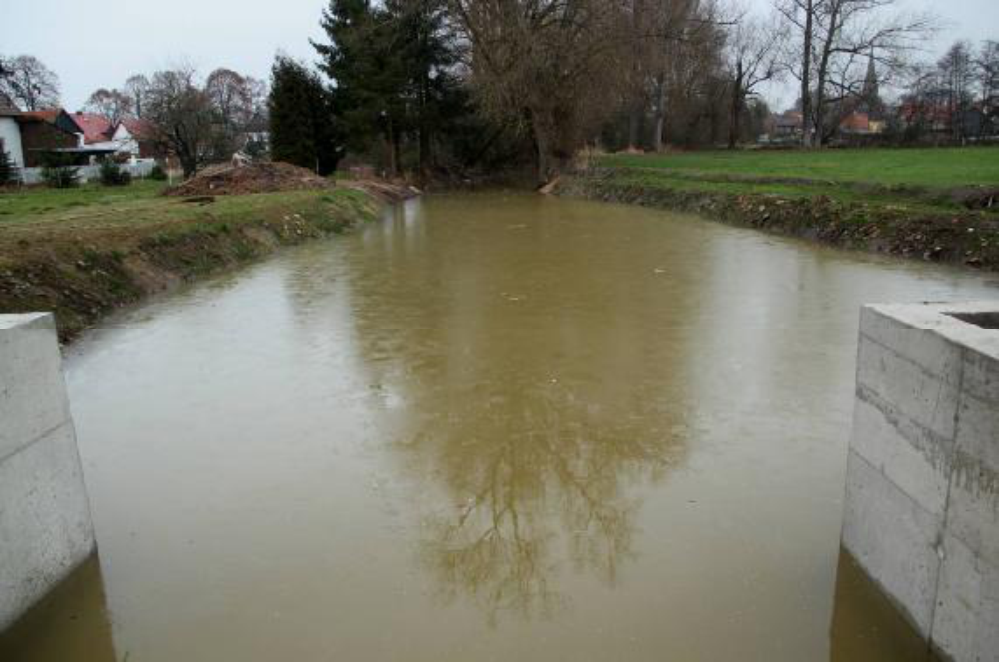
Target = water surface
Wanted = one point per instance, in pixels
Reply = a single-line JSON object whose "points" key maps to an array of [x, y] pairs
{"points": [[491, 427]]}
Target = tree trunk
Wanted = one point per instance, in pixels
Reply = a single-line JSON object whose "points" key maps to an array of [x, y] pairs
{"points": [[823, 74], [390, 140], [659, 121], [425, 156], [806, 76], [636, 107], [736, 109], [634, 123], [396, 153]]}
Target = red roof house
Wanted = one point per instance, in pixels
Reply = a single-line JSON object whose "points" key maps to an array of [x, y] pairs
{"points": [[95, 128]]}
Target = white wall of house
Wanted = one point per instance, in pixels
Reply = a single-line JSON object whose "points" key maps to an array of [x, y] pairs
{"points": [[138, 168], [125, 141], [10, 133]]}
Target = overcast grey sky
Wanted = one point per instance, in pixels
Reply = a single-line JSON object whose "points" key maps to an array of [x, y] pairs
{"points": [[99, 44]]}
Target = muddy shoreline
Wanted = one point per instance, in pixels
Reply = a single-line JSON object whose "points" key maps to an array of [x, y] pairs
{"points": [[967, 238]]}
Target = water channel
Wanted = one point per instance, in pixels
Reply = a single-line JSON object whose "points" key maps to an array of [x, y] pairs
{"points": [[488, 427]]}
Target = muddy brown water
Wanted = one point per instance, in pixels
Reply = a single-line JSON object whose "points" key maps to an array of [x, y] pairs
{"points": [[488, 427]]}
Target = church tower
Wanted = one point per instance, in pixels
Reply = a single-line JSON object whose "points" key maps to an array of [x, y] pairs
{"points": [[870, 97]]}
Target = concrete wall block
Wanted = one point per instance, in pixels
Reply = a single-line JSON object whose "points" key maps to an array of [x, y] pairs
{"points": [[978, 429], [927, 416], [966, 620], [981, 377], [928, 399], [893, 539], [32, 390], [906, 334], [973, 510], [45, 528], [910, 456]]}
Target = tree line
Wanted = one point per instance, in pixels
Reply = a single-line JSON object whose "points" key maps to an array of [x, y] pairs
{"points": [[956, 97], [450, 86], [197, 121], [422, 84]]}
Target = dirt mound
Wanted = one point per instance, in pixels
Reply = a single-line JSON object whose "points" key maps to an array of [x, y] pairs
{"points": [[253, 178]]}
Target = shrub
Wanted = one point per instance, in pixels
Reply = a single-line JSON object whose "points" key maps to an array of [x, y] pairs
{"points": [[158, 173], [113, 174], [58, 171], [9, 173]]}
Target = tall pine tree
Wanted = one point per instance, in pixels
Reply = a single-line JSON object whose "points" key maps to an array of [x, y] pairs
{"points": [[304, 130], [391, 71], [9, 172]]}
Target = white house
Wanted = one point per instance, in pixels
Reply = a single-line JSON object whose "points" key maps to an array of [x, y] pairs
{"points": [[10, 137]]}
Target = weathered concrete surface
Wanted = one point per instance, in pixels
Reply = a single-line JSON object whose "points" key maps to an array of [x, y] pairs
{"points": [[922, 498], [45, 527]]}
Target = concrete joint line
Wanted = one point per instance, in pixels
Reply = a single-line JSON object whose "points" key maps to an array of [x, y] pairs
{"points": [[902, 357], [42, 435], [950, 483]]}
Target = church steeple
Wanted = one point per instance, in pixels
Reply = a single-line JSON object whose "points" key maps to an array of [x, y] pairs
{"points": [[871, 81], [870, 98]]}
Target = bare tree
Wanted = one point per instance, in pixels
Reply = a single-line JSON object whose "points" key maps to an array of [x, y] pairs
{"points": [[753, 57], [957, 77], [987, 65], [28, 83], [258, 92], [181, 116], [231, 96], [837, 38], [684, 41], [548, 66], [111, 104], [137, 88]]}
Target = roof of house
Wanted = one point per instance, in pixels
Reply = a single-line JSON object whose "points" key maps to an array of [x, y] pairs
{"points": [[95, 128], [790, 118], [136, 126], [57, 117], [49, 115]]}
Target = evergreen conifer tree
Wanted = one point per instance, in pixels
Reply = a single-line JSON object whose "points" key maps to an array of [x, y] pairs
{"points": [[9, 172], [304, 130]]}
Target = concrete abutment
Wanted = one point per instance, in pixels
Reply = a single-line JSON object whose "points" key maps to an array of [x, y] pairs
{"points": [[921, 513], [45, 525]]}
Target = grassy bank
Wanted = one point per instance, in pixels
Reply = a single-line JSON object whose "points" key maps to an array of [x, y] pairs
{"points": [[929, 204], [84, 252], [931, 168]]}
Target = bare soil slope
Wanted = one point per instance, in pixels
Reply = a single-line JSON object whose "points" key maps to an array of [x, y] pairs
{"points": [[253, 178]]}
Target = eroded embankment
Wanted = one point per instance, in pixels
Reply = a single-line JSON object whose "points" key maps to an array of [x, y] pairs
{"points": [[84, 269], [969, 238]]}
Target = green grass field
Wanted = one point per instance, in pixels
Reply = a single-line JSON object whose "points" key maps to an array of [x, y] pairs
{"points": [[94, 207], [931, 168], [915, 179], [32, 202]]}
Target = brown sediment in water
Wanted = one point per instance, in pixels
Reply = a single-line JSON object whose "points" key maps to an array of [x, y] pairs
{"points": [[69, 624], [494, 426]]}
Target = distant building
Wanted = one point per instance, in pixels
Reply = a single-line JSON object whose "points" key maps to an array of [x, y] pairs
{"points": [[856, 123], [83, 137], [46, 131], [10, 137], [787, 126]]}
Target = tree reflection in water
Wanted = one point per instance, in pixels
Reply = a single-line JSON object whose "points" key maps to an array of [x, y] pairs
{"points": [[538, 405], [537, 491]]}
